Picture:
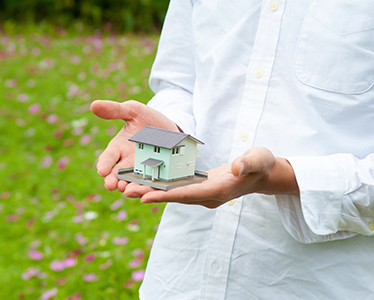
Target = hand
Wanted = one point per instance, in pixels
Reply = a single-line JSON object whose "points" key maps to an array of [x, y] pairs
{"points": [[257, 171], [120, 152]]}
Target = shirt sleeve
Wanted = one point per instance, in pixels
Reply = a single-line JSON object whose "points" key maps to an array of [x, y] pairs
{"points": [[173, 73], [336, 198]]}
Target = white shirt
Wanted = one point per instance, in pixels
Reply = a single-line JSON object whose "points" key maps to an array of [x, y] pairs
{"points": [[295, 77]]}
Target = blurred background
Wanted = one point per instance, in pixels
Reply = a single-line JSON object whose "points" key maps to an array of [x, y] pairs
{"points": [[62, 234]]}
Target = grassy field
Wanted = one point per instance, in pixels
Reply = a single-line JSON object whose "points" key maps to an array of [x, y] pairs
{"points": [[62, 235]]}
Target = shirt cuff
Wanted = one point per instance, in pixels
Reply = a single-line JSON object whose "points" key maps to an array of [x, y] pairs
{"points": [[314, 216]]}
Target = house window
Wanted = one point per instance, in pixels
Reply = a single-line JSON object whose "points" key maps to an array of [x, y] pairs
{"points": [[141, 146], [181, 150], [157, 149], [178, 150]]}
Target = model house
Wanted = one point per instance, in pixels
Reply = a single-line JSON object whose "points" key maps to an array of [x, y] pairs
{"points": [[164, 155]]}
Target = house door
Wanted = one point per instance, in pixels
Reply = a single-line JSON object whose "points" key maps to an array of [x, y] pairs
{"points": [[156, 172]]}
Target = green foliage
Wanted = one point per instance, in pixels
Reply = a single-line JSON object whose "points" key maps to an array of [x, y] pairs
{"points": [[61, 232], [120, 15]]}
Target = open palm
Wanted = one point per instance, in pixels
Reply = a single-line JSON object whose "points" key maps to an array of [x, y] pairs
{"points": [[120, 152]]}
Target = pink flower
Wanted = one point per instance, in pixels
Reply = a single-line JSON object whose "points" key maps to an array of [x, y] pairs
{"points": [[58, 133], [73, 90], [129, 284], [46, 161], [97, 43], [86, 49], [77, 131], [90, 257], [133, 226], [31, 83], [116, 204], [94, 198], [32, 272], [121, 215], [106, 265], [61, 281], [57, 266], [90, 277], [5, 195], [80, 239], [78, 219], [48, 294], [12, 218], [51, 119], [138, 252], [120, 241], [85, 139], [36, 52], [75, 59], [61, 164], [35, 255], [70, 262], [10, 83], [111, 130], [69, 198], [137, 275], [35, 244], [34, 109], [155, 209], [122, 86], [22, 98], [134, 263], [76, 296]]}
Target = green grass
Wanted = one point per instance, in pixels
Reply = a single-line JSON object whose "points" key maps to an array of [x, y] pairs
{"points": [[48, 79]]}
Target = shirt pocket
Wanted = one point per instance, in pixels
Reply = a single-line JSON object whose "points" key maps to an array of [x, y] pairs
{"points": [[335, 50]]}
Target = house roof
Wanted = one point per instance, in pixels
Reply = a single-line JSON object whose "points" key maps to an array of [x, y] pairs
{"points": [[151, 162], [161, 137]]}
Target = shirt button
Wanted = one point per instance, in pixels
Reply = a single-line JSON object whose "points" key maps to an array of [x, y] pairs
{"points": [[231, 202], [371, 227], [215, 267], [274, 5], [244, 136], [259, 72]]}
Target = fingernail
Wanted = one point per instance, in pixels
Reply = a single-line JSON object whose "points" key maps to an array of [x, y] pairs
{"points": [[146, 201], [133, 195], [241, 172]]}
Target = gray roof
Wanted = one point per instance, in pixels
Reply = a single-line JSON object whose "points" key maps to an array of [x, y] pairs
{"points": [[152, 162], [160, 137]]}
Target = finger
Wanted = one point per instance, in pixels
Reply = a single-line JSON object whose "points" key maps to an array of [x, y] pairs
{"points": [[110, 110], [107, 160], [134, 190], [111, 182], [111, 172], [254, 160], [191, 194], [121, 186]]}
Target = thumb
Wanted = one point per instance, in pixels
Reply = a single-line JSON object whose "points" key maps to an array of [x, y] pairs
{"points": [[254, 160], [109, 110]]}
